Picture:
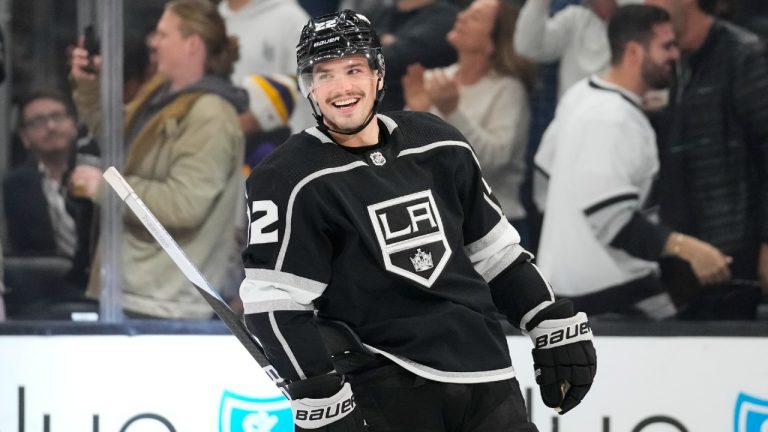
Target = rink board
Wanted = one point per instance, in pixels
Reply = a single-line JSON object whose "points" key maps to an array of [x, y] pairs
{"points": [[191, 383]]}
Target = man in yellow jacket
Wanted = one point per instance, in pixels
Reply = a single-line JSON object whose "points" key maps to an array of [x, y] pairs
{"points": [[184, 152]]}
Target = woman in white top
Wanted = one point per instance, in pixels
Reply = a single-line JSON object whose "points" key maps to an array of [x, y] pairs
{"points": [[484, 96]]}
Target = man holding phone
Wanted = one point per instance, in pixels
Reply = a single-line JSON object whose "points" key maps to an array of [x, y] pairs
{"points": [[184, 152]]}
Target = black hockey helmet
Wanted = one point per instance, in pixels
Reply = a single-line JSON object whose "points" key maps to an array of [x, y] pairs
{"points": [[336, 35]]}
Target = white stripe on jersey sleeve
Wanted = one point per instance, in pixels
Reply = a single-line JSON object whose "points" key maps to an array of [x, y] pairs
{"points": [[493, 204], [268, 290], [286, 348], [609, 214], [531, 313], [494, 252]]}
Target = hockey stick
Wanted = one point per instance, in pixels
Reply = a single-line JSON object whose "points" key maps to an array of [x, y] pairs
{"points": [[235, 324]]}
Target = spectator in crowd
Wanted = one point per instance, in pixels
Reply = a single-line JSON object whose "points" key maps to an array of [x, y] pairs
{"points": [[714, 138], [484, 96], [49, 230], [575, 36], [35, 193], [413, 31], [266, 31], [542, 102], [142, 64], [598, 246], [185, 149], [272, 100]]}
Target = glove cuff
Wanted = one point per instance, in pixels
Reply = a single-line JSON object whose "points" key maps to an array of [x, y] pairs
{"points": [[558, 332], [316, 413]]}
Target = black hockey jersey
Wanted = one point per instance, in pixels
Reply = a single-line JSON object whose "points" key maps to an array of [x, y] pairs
{"points": [[398, 242]]}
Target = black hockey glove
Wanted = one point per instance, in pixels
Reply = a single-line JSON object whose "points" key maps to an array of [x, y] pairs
{"points": [[564, 358], [325, 404]]}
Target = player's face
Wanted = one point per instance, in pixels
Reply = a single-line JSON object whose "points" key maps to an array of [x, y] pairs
{"points": [[345, 90], [659, 57]]}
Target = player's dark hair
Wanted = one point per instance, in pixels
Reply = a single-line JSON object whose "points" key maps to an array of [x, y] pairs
{"points": [[633, 23]]}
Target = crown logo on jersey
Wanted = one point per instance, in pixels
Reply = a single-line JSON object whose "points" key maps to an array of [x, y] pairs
{"points": [[377, 158], [422, 261]]}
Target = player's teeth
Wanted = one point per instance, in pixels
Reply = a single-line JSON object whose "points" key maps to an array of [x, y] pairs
{"points": [[345, 102]]}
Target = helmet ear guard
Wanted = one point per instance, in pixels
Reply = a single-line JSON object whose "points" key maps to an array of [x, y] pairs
{"points": [[333, 36]]}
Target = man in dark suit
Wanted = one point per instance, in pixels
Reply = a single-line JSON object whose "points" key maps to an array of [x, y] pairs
{"points": [[35, 209], [42, 219]]}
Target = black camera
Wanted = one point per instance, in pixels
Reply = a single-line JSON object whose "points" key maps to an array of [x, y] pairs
{"points": [[91, 44]]}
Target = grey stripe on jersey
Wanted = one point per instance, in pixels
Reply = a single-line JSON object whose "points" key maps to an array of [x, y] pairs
{"points": [[444, 376], [608, 216], [388, 123], [496, 250], [265, 290], [286, 348], [292, 199], [438, 144], [315, 132]]}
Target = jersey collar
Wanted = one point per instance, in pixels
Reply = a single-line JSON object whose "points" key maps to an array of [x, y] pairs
{"points": [[598, 83], [324, 138]]}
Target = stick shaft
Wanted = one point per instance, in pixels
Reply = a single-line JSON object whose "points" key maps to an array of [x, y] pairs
{"points": [[169, 245]]}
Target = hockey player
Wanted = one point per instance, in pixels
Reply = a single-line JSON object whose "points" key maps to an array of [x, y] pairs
{"points": [[378, 259]]}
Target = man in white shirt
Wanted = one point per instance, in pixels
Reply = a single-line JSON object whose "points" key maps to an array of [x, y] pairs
{"points": [[598, 245]]}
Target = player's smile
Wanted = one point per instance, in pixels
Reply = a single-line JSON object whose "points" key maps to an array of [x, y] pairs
{"points": [[347, 107], [346, 104]]}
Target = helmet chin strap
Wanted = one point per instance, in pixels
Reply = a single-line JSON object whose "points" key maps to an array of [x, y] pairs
{"points": [[323, 127], [371, 115]]}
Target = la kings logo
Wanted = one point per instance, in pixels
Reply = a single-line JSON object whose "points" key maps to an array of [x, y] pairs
{"points": [[411, 236]]}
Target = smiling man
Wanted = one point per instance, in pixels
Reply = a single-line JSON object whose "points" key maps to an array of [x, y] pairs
{"points": [[346, 87], [378, 259]]}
